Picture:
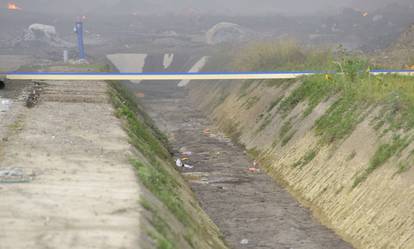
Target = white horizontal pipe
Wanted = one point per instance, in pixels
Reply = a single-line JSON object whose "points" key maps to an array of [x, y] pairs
{"points": [[152, 76], [173, 76]]}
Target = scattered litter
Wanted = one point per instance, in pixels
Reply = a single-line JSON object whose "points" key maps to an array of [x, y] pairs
{"points": [[206, 131], [187, 153], [182, 149], [34, 95], [140, 94], [254, 170], [179, 163], [14, 175], [185, 159], [5, 105], [244, 242], [11, 172], [187, 166]]}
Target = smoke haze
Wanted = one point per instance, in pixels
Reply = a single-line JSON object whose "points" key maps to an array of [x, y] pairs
{"points": [[232, 7]]}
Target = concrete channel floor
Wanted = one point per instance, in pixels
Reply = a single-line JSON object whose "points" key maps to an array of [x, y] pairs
{"points": [[246, 207]]}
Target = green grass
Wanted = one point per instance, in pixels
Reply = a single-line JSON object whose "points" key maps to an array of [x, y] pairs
{"points": [[253, 152], [273, 104], [264, 124], [313, 89], [403, 167], [286, 127], [307, 158], [153, 175], [157, 173], [127, 104], [162, 184], [246, 88], [250, 102], [382, 155], [287, 138], [165, 235], [351, 156], [339, 120], [354, 92]]}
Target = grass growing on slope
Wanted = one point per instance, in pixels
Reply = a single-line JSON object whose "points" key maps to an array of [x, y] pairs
{"points": [[313, 89], [286, 127], [340, 120], [153, 175], [121, 97], [382, 155], [158, 175], [354, 92], [163, 230], [162, 185], [307, 158]]}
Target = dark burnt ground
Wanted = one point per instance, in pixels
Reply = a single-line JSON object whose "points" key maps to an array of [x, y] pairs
{"points": [[244, 205]]}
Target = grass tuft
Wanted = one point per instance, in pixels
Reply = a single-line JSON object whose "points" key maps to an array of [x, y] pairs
{"points": [[307, 158], [382, 155]]}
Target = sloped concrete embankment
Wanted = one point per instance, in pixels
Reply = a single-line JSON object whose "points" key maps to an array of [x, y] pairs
{"points": [[174, 218], [74, 168], [369, 208]]}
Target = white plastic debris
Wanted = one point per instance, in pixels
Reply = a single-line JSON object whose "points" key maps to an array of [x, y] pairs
{"points": [[11, 172], [5, 105], [179, 163], [244, 242], [187, 153], [187, 166]]}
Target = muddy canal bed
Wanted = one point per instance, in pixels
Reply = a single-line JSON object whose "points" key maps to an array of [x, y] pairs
{"points": [[251, 210]]}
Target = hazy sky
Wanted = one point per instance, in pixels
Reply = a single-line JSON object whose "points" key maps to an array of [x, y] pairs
{"points": [[209, 6]]}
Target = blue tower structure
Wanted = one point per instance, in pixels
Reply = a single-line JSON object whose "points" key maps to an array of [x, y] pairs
{"points": [[79, 31]]}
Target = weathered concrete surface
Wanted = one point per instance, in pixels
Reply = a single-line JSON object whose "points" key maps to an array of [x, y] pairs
{"points": [[378, 213], [244, 205], [82, 192]]}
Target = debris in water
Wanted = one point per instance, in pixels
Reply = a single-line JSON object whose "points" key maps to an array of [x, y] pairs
{"points": [[140, 94], [244, 242], [187, 166], [179, 163], [187, 153], [254, 170]]}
